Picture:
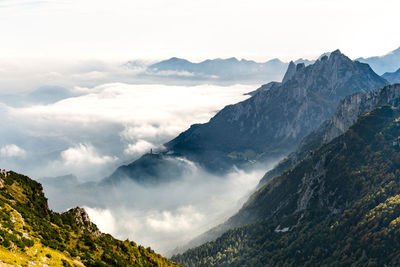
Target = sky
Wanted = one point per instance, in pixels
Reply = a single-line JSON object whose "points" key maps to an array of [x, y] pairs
{"points": [[158, 29]]}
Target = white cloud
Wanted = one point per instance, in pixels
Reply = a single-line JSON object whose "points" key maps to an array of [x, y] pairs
{"points": [[105, 126], [84, 154], [184, 219], [173, 73], [139, 147], [103, 218], [163, 216], [12, 151]]}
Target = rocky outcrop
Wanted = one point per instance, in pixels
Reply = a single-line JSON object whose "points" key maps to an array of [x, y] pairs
{"points": [[81, 220], [290, 72]]}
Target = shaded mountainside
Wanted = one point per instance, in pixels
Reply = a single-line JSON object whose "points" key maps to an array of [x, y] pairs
{"points": [[338, 207], [150, 169], [272, 122], [347, 113], [393, 77], [31, 234]]}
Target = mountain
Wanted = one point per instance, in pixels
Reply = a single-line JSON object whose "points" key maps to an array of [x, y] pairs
{"points": [[43, 95], [32, 234], [221, 69], [151, 169], [272, 122], [381, 64], [339, 207], [347, 113], [393, 77], [48, 95]]}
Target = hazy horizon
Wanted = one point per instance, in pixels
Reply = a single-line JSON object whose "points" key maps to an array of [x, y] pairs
{"points": [[257, 30]]}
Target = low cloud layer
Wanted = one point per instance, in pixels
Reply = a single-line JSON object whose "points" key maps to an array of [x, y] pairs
{"points": [[100, 128], [162, 216], [93, 130]]}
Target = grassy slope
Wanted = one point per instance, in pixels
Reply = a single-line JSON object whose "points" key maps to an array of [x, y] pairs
{"points": [[30, 233]]}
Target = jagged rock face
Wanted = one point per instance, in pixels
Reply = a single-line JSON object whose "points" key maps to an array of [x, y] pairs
{"points": [[354, 105], [82, 221], [273, 121], [290, 72], [347, 113]]}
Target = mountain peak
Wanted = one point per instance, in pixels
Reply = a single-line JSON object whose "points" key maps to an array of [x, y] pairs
{"points": [[177, 59], [336, 52], [291, 70], [82, 221], [276, 119]]}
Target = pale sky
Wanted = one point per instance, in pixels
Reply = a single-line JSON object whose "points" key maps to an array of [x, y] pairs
{"points": [[158, 29]]}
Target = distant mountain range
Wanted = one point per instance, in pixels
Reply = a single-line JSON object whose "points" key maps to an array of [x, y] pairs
{"points": [[271, 123], [386, 63], [232, 70], [43, 95], [392, 77], [219, 71], [223, 69], [339, 206]]}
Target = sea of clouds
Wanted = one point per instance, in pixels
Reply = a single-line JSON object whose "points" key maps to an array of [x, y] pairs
{"points": [[100, 128], [72, 125]]}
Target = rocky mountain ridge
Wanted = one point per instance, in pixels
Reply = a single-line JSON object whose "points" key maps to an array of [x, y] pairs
{"points": [[347, 113]]}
